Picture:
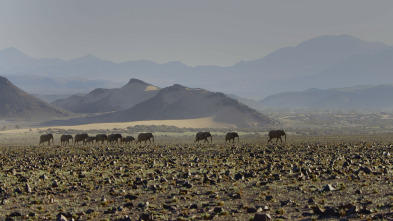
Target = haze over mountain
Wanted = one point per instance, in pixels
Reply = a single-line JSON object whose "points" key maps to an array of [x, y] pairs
{"points": [[105, 100], [40, 85], [15, 103], [322, 62], [366, 98], [179, 102]]}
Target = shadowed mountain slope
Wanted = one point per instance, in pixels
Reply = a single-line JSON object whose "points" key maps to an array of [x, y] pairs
{"points": [[15, 103], [179, 102], [104, 100]]}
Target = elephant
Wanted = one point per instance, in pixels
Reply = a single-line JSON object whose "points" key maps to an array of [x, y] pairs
{"points": [[91, 140], [145, 137], [203, 136], [114, 138], [231, 136], [128, 139], [80, 137], [46, 138], [277, 134], [101, 137], [66, 139]]}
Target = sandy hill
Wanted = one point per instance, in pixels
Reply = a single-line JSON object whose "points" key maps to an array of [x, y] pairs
{"points": [[16, 103], [104, 100], [179, 102]]}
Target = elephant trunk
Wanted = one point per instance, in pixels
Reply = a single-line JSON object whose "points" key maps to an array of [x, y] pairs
{"points": [[211, 139], [153, 138], [285, 137], [238, 139]]}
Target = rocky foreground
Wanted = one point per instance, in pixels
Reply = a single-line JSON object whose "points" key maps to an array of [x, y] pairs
{"points": [[301, 181]]}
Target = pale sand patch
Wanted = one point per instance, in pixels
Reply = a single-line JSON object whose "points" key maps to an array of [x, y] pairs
{"points": [[207, 122], [151, 88]]}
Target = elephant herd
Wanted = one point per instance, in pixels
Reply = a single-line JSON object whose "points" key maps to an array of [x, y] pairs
{"points": [[119, 139], [86, 139]]}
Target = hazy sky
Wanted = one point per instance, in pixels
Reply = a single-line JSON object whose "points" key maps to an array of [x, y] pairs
{"points": [[200, 32]]}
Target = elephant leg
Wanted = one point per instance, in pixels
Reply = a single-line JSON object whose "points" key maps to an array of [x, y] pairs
{"points": [[280, 139]]}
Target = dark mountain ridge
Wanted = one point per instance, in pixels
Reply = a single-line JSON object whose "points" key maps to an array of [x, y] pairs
{"points": [[104, 100]]}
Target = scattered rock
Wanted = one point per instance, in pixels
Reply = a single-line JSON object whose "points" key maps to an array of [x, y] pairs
{"points": [[143, 205], [286, 202], [218, 209], [317, 210], [14, 214], [61, 217], [130, 197], [146, 217], [239, 176], [18, 191], [90, 211], [262, 217], [129, 205], [27, 188], [328, 188], [55, 184], [193, 206], [251, 210]]}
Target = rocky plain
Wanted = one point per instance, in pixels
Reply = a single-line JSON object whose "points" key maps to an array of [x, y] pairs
{"points": [[305, 178]]}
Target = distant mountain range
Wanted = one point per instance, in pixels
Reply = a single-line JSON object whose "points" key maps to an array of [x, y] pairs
{"points": [[323, 62], [17, 104], [366, 98]]}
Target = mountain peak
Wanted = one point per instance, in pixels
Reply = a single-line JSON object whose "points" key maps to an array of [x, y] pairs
{"points": [[17, 103], [11, 50], [339, 41], [136, 81], [174, 88], [87, 58], [3, 80]]}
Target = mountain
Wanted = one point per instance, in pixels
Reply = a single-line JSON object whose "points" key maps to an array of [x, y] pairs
{"points": [[368, 98], [18, 104], [42, 86], [179, 102], [362, 69], [105, 100], [321, 60], [249, 102], [309, 57]]}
